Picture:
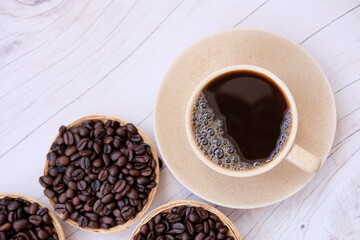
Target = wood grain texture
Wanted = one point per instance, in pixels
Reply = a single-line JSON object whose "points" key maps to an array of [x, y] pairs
{"points": [[61, 60]]}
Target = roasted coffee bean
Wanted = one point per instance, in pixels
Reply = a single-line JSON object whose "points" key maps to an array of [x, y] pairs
{"points": [[98, 206], [119, 186], [127, 212], [131, 128], [97, 169], [45, 181], [78, 174], [59, 207], [82, 144], [106, 159], [108, 198], [81, 185], [142, 180], [21, 220], [85, 163], [194, 217], [49, 193], [85, 153], [105, 189], [146, 172], [83, 221], [103, 175], [62, 160], [68, 138], [178, 228], [84, 132], [95, 185], [70, 150], [178, 224]]}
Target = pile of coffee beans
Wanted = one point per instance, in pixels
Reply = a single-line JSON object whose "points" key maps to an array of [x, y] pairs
{"points": [[184, 223], [99, 174], [23, 220]]}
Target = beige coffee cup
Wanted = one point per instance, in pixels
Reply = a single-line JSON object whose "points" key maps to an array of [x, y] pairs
{"points": [[289, 151]]}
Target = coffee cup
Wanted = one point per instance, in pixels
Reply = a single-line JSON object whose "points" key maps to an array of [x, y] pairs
{"points": [[242, 121]]}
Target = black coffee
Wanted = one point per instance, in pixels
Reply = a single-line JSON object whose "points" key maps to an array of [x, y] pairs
{"points": [[241, 120]]}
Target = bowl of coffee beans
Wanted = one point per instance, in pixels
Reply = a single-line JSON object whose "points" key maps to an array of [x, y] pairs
{"points": [[101, 174], [186, 220], [22, 217]]}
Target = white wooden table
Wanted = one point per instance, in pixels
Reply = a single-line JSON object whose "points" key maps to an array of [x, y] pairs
{"points": [[61, 60]]}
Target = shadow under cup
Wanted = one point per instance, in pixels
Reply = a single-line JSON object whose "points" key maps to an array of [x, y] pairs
{"points": [[241, 120]]}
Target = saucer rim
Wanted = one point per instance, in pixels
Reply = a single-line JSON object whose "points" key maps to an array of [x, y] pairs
{"points": [[297, 189]]}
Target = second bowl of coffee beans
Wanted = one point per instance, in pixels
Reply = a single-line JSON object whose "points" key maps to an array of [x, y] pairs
{"points": [[22, 217], [186, 220], [101, 173]]}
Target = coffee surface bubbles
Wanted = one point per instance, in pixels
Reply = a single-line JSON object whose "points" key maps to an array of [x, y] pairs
{"points": [[241, 121]]}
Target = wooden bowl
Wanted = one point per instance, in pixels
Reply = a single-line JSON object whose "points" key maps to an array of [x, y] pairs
{"points": [[58, 228], [151, 196], [233, 232]]}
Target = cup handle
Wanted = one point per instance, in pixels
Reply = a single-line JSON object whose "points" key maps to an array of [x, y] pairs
{"points": [[303, 159]]}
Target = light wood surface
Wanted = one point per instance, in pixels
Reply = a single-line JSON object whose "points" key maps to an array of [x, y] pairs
{"points": [[61, 60]]}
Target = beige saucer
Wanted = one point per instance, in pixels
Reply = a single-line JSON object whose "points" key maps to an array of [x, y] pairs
{"points": [[299, 71]]}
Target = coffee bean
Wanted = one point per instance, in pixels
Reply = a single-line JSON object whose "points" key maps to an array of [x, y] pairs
{"points": [[107, 220], [81, 185], [121, 162], [142, 180], [83, 131], [178, 228], [35, 220], [85, 163], [106, 159], [202, 213], [62, 160], [98, 206], [78, 174], [99, 132], [49, 193], [68, 138], [108, 198], [103, 175], [82, 144], [119, 186], [70, 150], [83, 221], [43, 234], [20, 224], [131, 128], [127, 212], [95, 185], [60, 207], [146, 172], [194, 217], [85, 153], [200, 236]]}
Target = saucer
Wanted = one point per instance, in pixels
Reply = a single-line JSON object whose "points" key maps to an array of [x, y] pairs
{"points": [[286, 59]]}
